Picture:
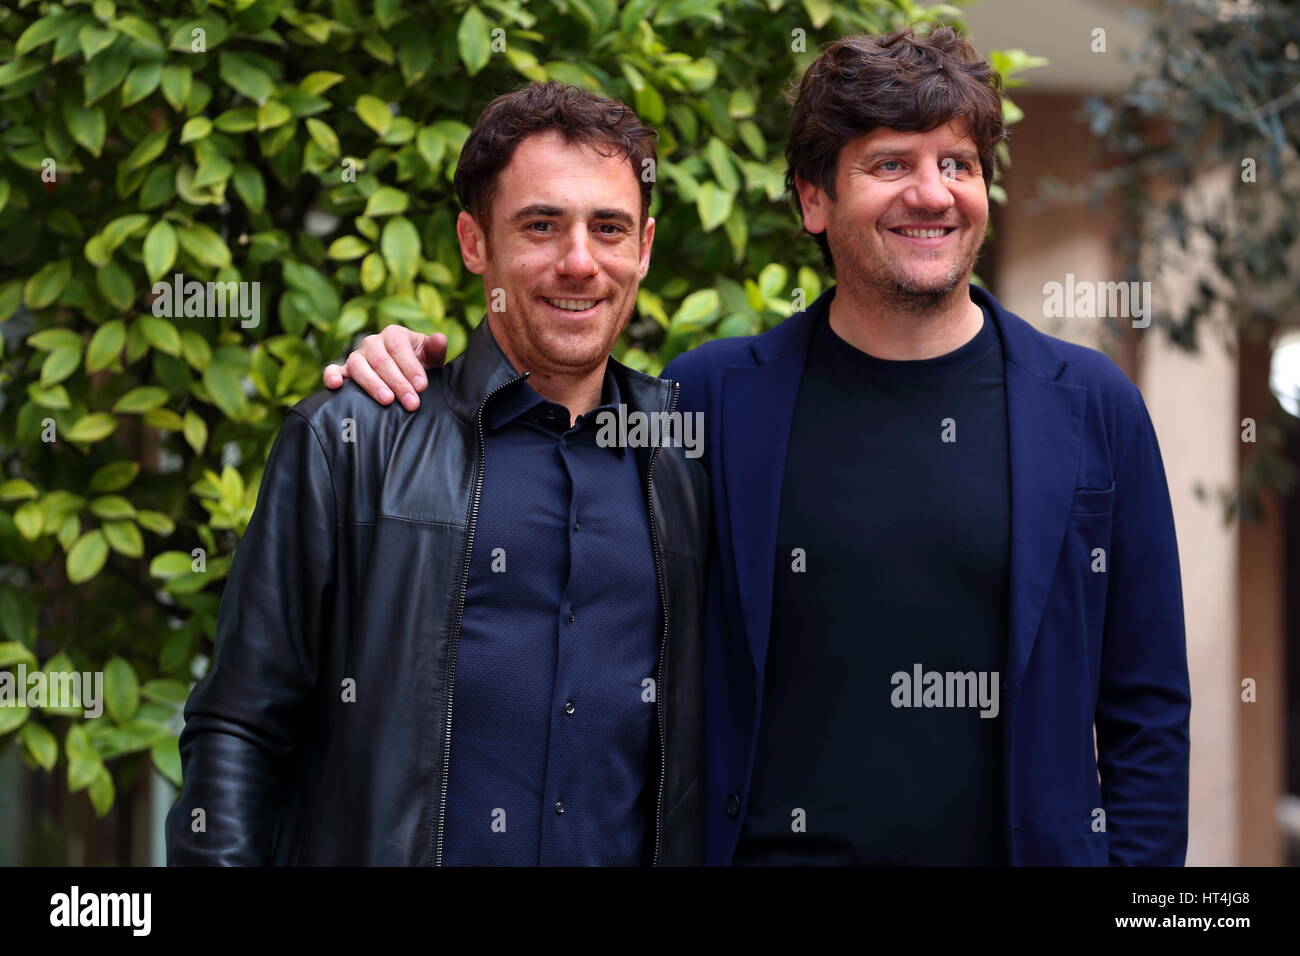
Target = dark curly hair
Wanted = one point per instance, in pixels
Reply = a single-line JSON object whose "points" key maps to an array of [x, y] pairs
{"points": [[901, 81], [608, 126]]}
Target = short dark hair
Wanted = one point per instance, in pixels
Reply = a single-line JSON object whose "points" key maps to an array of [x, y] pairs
{"points": [[902, 81], [608, 126]]}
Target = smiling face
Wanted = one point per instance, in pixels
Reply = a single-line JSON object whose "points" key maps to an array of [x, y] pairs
{"points": [[909, 215], [566, 252]]}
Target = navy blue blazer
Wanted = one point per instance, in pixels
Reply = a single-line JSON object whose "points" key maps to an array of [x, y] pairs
{"points": [[1087, 648]]}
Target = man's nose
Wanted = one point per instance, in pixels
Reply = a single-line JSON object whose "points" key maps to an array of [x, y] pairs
{"points": [[929, 190], [577, 261]]}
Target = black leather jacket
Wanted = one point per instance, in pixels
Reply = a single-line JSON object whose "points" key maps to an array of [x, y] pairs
{"points": [[319, 735]]}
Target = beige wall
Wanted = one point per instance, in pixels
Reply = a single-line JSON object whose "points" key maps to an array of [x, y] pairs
{"points": [[1193, 404]]}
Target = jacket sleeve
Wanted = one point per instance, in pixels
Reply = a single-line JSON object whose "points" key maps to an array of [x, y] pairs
{"points": [[244, 718], [1144, 699]]}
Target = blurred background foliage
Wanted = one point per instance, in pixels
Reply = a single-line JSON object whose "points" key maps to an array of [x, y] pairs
{"points": [[142, 138], [1205, 143]]}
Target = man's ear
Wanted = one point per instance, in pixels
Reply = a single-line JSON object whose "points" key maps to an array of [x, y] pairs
{"points": [[815, 205], [647, 241], [473, 244]]}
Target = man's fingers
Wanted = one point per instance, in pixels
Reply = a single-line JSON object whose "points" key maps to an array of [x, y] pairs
{"points": [[433, 352], [391, 355], [334, 375], [359, 371], [401, 345]]}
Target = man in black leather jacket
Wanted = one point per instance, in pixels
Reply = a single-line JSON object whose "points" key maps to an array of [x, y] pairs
{"points": [[323, 732]]}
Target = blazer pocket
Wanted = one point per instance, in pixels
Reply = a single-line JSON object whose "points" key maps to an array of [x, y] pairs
{"points": [[1093, 501]]}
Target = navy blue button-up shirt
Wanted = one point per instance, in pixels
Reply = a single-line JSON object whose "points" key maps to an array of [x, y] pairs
{"points": [[552, 725]]}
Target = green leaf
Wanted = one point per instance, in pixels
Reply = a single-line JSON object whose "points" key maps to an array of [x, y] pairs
{"points": [[114, 476], [431, 146], [11, 292], [271, 114], [373, 272], [195, 431], [93, 427], [201, 242], [318, 82], [141, 399], [226, 387], [121, 690], [102, 793], [386, 201], [697, 310], [714, 205], [245, 77], [11, 653], [160, 333], [47, 284], [159, 251], [85, 125], [41, 32], [166, 691], [124, 538], [47, 340], [140, 82], [105, 345], [59, 364], [112, 508], [197, 127], [249, 186], [140, 31], [323, 136], [167, 759], [346, 248], [16, 489], [171, 564], [156, 521], [105, 74], [29, 519], [41, 745], [116, 285], [94, 40], [87, 557], [473, 39], [400, 245], [177, 82], [121, 229], [374, 113], [147, 150]]}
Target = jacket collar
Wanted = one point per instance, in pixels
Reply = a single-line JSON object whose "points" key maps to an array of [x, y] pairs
{"points": [[483, 369], [1023, 345]]}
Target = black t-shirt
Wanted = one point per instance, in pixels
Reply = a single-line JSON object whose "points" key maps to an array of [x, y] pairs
{"points": [[889, 616]]}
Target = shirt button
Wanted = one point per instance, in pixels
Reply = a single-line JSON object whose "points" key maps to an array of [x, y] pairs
{"points": [[559, 808], [570, 617], [577, 525], [550, 413], [732, 805], [568, 707]]}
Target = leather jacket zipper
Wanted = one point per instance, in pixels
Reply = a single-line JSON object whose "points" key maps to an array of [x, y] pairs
{"points": [[480, 461], [663, 646]]}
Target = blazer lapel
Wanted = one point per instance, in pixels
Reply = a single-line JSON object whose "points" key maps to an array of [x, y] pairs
{"points": [[1045, 419], [757, 409]]}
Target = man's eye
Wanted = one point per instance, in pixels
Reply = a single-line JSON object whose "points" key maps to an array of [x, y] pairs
{"points": [[890, 162], [532, 224], [611, 226]]}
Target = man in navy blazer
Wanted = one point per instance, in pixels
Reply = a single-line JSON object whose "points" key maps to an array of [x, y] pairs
{"points": [[944, 611]]}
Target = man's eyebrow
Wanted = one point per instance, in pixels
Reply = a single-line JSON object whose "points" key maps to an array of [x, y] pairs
{"points": [[965, 155], [555, 212]]}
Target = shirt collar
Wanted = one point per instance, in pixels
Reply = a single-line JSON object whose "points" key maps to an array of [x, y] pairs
{"points": [[519, 399]]}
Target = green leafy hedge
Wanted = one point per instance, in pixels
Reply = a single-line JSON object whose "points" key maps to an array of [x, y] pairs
{"points": [[308, 147]]}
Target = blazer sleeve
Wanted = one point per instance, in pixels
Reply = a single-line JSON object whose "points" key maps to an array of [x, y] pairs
{"points": [[244, 718], [1144, 698]]}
